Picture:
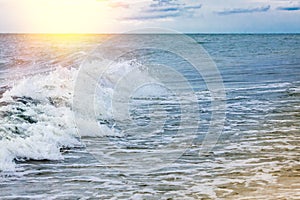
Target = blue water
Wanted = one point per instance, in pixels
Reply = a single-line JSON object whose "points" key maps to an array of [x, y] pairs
{"points": [[42, 155]]}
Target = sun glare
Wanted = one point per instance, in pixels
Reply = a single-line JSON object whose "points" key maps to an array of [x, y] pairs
{"points": [[69, 16]]}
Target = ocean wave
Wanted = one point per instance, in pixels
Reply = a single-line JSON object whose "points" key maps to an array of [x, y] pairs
{"points": [[37, 118], [37, 114]]}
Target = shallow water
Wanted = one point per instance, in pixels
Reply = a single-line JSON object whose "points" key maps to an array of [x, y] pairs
{"points": [[43, 156]]}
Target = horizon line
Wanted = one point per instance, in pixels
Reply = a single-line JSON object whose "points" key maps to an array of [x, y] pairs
{"points": [[124, 33]]}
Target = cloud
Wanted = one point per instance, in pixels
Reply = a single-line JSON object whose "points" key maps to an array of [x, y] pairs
{"points": [[156, 16], [166, 9], [173, 9], [193, 7], [163, 9], [244, 10], [158, 3], [291, 8]]}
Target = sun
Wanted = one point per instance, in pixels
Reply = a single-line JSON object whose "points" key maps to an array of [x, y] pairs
{"points": [[68, 16]]}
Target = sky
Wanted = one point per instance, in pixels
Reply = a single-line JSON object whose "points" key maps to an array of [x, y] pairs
{"points": [[119, 16]]}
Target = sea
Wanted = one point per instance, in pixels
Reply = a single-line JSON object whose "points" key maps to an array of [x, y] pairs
{"points": [[150, 116]]}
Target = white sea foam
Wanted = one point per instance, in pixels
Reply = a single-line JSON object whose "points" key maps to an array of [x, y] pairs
{"points": [[38, 119]]}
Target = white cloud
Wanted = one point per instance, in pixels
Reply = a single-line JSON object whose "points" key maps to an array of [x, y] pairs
{"points": [[181, 15]]}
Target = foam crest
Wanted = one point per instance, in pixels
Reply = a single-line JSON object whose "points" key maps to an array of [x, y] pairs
{"points": [[37, 118]]}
